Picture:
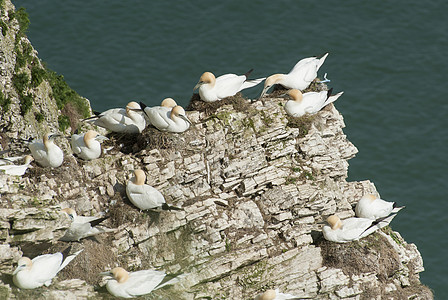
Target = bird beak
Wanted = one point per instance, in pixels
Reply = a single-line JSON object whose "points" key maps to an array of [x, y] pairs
{"points": [[185, 118], [101, 138], [52, 136], [264, 92], [198, 85], [17, 270], [107, 273]]}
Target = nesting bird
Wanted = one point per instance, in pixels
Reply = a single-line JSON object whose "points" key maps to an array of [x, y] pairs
{"points": [[174, 121], [128, 120], [300, 77], [352, 229], [46, 153], [373, 208], [39, 271], [82, 227], [121, 283], [87, 146], [212, 89], [274, 295], [308, 103], [143, 195], [18, 170], [159, 114]]}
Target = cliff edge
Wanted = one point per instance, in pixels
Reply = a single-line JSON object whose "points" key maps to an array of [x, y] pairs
{"points": [[255, 188]]}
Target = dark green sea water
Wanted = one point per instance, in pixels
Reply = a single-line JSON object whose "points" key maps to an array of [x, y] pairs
{"points": [[388, 56]]}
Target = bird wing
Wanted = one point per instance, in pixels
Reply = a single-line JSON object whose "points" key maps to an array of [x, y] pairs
{"points": [[77, 141], [38, 151], [381, 208], [250, 83], [228, 85], [46, 266], [352, 228], [143, 282], [299, 65], [159, 117]]}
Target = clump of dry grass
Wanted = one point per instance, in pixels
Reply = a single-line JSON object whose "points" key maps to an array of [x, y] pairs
{"points": [[72, 114], [370, 254], [150, 138], [238, 102], [303, 123]]}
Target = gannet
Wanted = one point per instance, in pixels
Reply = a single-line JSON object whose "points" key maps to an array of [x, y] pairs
{"points": [[274, 295], [82, 227], [174, 121], [143, 195], [373, 208], [310, 103], [300, 77], [31, 274], [128, 120], [159, 114], [47, 153], [212, 89], [18, 170], [352, 229], [87, 145], [121, 283]]}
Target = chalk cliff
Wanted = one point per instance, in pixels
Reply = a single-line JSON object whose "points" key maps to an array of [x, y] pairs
{"points": [[254, 185]]}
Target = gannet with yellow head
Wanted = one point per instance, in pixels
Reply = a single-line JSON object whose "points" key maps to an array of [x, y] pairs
{"points": [[212, 89], [300, 77]]}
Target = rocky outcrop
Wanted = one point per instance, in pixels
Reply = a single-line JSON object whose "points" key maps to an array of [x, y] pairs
{"points": [[254, 186]]}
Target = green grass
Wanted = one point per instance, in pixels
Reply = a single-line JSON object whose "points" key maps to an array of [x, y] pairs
{"points": [[22, 17], [39, 117], [63, 94], [5, 103], [4, 27], [64, 122], [20, 82], [26, 102], [37, 76]]}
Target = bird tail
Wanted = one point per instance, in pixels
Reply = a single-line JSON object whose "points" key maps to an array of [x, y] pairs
{"points": [[170, 279], [250, 83], [377, 224], [322, 60], [397, 208], [68, 258], [331, 98], [97, 221], [169, 207], [248, 73], [96, 116]]}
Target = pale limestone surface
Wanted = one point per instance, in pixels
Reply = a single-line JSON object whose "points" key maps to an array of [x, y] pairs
{"points": [[254, 194]]}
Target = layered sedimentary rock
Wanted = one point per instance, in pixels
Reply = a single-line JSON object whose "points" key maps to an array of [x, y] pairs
{"points": [[255, 189]]}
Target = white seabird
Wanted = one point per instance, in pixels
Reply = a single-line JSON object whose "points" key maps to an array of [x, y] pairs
{"points": [[212, 89], [121, 283], [143, 195], [17, 170], [352, 229], [39, 271], [87, 146], [274, 295], [174, 121], [46, 153], [373, 208], [300, 77], [308, 103], [157, 115], [82, 227], [129, 120]]}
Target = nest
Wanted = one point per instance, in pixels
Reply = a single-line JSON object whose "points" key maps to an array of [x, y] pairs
{"points": [[238, 102]]}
